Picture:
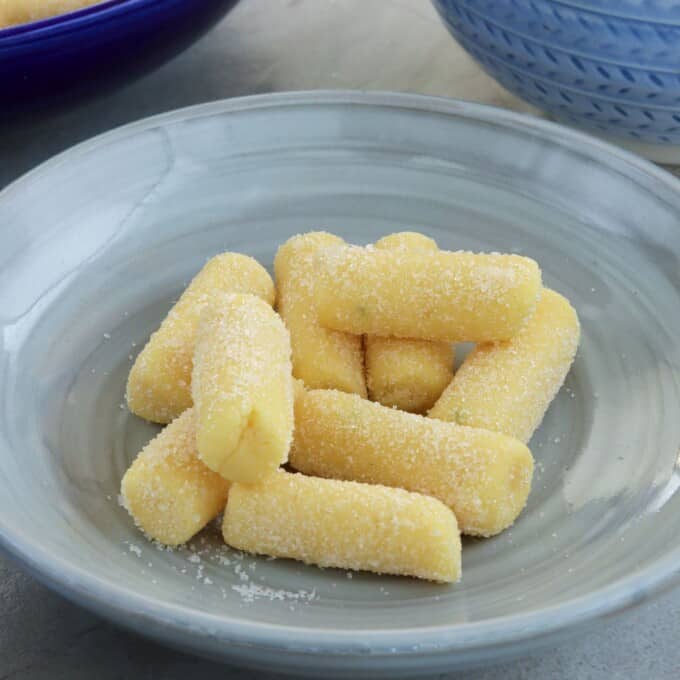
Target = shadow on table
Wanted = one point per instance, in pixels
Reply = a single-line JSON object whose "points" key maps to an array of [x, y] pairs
{"points": [[218, 66], [44, 637]]}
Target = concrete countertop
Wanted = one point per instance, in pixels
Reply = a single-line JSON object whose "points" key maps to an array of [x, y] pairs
{"points": [[264, 46]]}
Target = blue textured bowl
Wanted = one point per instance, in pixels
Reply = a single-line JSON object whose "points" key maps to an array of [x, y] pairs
{"points": [[45, 63], [612, 66]]}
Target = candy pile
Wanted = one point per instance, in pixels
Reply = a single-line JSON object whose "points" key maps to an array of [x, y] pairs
{"points": [[351, 384]]}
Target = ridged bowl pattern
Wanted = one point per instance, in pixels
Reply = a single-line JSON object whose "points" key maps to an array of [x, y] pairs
{"points": [[610, 66]]}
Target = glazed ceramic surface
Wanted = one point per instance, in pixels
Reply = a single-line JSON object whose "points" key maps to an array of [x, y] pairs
{"points": [[55, 61], [612, 66], [97, 243]]}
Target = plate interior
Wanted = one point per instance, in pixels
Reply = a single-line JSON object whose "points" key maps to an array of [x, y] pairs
{"points": [[98, 244]]}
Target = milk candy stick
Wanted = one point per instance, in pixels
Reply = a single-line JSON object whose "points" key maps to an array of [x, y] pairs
{"points": [[344, 524], [169, 492], [159, 384], [508, 386], [406, 373], [242, 386], [483, 476], [452, 296], [322, 358]]}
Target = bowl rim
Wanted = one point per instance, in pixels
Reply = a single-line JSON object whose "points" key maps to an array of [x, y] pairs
{"points": [[173, 620], [581, 6], [67, 21]]}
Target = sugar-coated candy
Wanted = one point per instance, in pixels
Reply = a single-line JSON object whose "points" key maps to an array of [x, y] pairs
{"points": [[322, 358], [508, 386], [24, 11], [483, 476], [344, 524], [242, 387], [452, 296], [159, 384], [409, 374], [169, 492]]}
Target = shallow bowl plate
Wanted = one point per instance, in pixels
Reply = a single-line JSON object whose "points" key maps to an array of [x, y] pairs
{"points": [[97, 243]]}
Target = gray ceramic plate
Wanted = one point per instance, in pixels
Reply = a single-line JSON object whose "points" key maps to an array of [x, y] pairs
{"points": [[95, 245]]}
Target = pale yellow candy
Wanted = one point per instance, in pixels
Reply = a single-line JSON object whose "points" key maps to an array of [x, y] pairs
{"points": [[24, 11], [439, 295], [242, 386], [344, 524], [322, 358], [484, 477], [159, 384], [407, 240], [169, 492], [508, 386], [406, 373]]}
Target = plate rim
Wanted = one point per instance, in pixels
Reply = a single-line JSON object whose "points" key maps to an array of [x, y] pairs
{"points": [[89, 590], [67, 21]]}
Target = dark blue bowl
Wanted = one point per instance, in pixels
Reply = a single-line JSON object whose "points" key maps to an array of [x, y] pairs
{"points": [[51, 62]]}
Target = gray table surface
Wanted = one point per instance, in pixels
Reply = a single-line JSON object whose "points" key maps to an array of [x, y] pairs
{"points": [[264, 46]]}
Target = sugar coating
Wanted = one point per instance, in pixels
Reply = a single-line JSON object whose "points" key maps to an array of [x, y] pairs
{"points": [[407, 240], [439, 295], [24, 11], [322, 358], [483, 476], [409, 374], [253, 591], [508, 386], [344, 524], [242, 386], [169, 492], [159, 384]]}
